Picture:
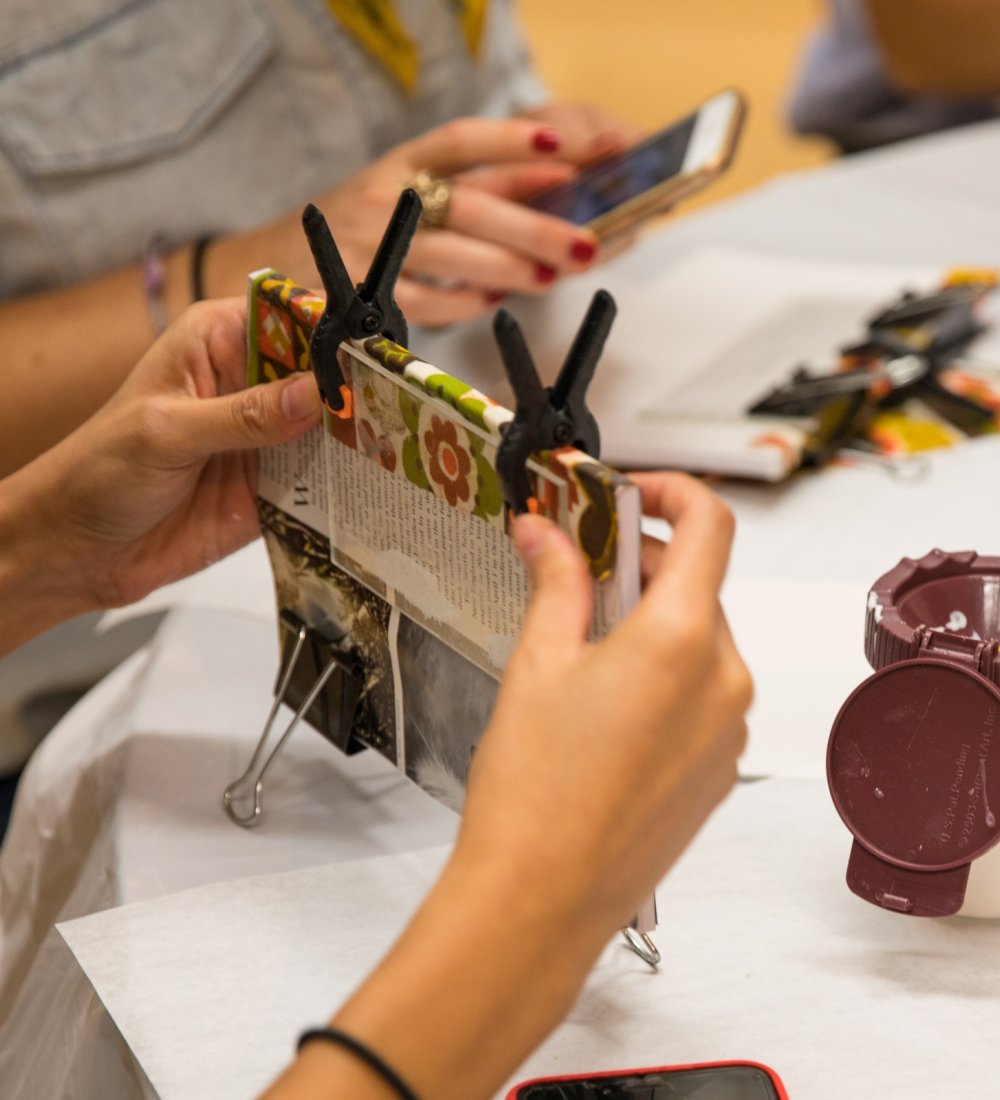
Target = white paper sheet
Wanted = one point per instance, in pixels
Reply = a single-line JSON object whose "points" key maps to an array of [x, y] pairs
{"points": [[767, 956], [123, 802]]}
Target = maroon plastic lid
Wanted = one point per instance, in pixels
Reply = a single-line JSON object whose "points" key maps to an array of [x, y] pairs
{"points": [[910, 772]]}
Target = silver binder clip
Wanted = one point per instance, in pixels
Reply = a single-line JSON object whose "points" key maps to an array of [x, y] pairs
{"points": [[251, 782], [637, 938], [908, 468], [642, 944]]}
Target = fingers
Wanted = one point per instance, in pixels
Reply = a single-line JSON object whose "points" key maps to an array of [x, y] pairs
{"points": [[260, 416], [518, 182], [434, 306], [561, 601], [739, 681], [677, 618], [468, 142], [588, 130], [607, 143], [226, 341], [539, 237], [466, 261], [491, 247], [651, 551], [703, 529], [491, 244], [203, 352], [475, 263]]}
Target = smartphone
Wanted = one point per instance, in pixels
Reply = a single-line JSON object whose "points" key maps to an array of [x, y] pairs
{"points": [[614, 195], [713, 1081]]}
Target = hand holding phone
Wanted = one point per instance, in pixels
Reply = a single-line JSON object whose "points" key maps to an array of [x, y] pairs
{"points": [[614, 195]]}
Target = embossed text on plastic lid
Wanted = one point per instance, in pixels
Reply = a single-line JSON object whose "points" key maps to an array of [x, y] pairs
{"points": [[914, 774]]}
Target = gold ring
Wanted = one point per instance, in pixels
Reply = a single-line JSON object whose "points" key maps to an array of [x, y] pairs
{"points": [[435, 196]]}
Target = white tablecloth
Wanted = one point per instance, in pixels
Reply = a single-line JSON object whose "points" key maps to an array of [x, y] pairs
{"points": [[122, 802], [766, 957]]}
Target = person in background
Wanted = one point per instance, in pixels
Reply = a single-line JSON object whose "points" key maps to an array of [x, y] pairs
{"points": [[564, 828], [946, 46], [156, 153], [880, 71]]}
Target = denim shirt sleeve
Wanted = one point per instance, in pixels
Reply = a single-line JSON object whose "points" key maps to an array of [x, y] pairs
{"points": [[122, 120]]}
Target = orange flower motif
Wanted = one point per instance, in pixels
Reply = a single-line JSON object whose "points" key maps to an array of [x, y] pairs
{"points": [[450, 461]]}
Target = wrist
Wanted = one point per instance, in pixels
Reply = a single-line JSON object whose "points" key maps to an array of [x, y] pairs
{"points": [[177, 294], [551, 870], [486, 969], [547, 901]]}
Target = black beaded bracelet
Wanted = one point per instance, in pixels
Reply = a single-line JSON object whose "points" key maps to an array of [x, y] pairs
{"points": [[369, 1057], [198, 266]]}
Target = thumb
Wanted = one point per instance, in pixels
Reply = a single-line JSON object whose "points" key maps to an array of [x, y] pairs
{"points": [[260, 416], [562, 595]]}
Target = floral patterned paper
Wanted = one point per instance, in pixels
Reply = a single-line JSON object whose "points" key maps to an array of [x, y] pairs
{"points": [[401, 430]]}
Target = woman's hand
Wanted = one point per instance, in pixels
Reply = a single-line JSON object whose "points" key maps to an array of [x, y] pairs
{"points": [[158, 484], [600, 764], [76, 345], [603, 760], [489, 245], [590, 130]]}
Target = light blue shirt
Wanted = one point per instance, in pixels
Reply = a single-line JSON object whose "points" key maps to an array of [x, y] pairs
{"points": [[121, 120]]}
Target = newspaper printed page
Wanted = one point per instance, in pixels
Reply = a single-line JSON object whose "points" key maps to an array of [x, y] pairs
{"points": [[292, 477]]}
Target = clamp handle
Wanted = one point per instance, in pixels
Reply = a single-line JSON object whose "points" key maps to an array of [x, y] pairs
{"points": [[547, 417], [357, 312]]}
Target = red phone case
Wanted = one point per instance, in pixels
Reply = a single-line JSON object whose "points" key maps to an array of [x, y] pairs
{"points": [[779, 1088]]}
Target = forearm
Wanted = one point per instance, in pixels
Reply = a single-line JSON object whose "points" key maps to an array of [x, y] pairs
{"points": [[69, 350], [38, 582], [490, 964], [948, 47], [72, 348]]}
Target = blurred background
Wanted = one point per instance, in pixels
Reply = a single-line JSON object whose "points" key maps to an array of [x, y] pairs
{"points": [[674, 55]]}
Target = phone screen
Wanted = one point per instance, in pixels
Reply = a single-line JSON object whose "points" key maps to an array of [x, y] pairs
{"points": [[703, 1083], [607, 184]]}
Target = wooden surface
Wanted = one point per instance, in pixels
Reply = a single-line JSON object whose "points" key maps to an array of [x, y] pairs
{"points": [[653, 60]]}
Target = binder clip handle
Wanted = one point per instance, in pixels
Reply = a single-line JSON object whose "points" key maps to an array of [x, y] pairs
{"points": [[297, 658], [367, 309]]}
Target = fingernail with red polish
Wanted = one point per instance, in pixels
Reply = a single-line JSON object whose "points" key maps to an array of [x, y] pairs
{"points": [[546, 141], [494, 296], [582, 251], [544, 273]]}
